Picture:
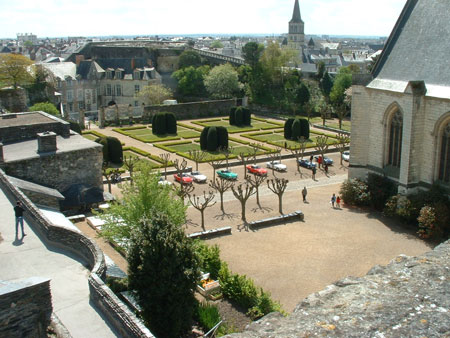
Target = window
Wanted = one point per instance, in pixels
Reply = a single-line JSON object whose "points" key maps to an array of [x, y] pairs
{"points": [[108, 74], [80, 94], [108, 89], [80, 105], [395, 140], [136, 103], [137, 89], [70, 106], [118, 90], [69, 95], [69, 82], [444, 158]]}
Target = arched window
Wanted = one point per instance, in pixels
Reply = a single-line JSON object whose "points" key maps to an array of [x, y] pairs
{"points": [[444, 158], [395, 140]]}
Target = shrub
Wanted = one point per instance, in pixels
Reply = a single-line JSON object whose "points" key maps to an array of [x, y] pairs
{"points": [[239, 118], [355, 192], [171, 123], [401, 207], [296, 129], [203, 138], [211, 139], [247, 118], [104, 142], [304, 128], [222, 137], [75, 126], [380, 189], [46, 107], [117, 285], [288, 128], [209, 258], [428, 227], [115, 152], [159, 125], [232, 116], [207, 315], [154, 127]]}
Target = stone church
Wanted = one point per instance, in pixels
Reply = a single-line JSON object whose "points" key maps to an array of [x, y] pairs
{"points": [[401, 112], [296, 35]]}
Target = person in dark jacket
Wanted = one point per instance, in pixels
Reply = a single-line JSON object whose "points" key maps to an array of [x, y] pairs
{"points": [[18, 210]]}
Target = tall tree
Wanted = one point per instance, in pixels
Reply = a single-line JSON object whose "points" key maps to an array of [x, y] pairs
{"points": [[342, 82], [222, 82], [163, 270], [155, 94], [15, 70], [189, 58], [202, 205], [221, 185], [278, 186], [326, 84], [191, 81], [252, 52]]}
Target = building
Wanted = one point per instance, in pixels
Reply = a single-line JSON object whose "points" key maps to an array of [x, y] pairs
{"points": [[296, 33], [401, 112]]}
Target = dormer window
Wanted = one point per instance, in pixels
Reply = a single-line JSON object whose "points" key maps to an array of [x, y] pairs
{"points": [[68, 81], [137, 74], [119, 73], [109, 73]]}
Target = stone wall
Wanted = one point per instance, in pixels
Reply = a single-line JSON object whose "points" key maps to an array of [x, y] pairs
{"points": [[406, 298], [60, 170], [13, 100], [25, 308], [193, 109], [120, 317]]}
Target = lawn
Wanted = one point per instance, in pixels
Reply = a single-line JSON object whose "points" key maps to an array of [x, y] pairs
{"points": [[256, 125], [141, 160], [278, 139], [146, 135]]}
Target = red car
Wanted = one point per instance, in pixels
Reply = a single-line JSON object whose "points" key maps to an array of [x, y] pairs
{"points": [[256, 169], [184, 179]]}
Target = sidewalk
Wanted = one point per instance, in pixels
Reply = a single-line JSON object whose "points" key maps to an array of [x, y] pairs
{"points": [[69, 285]]}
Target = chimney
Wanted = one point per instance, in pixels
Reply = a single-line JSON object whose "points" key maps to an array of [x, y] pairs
{"points": [[46, 142], [78, 59], [1, 153]]}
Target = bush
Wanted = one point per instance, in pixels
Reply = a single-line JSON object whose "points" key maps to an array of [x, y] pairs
{"points": [[209, 258], [211, 139], [239, 118], [159, 126], [232, 116], [46, 107], [380, 189], [247, 116], [355, 192], [171, 123], [203, 138], [207, 315], [117, 285], [304, 128], [222, 137], [288, 128], [296, 130], [75, 126], [104, 142], [115, 152]]}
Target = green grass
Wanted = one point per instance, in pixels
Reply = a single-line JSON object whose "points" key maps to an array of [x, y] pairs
{"points": [[141, 160], [91, 137], [146, 135], [256, 125], [278, 139]]}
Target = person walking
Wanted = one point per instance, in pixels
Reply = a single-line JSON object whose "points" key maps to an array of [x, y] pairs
{"points": [[333, 200], [304, 193], [313, 173], [338, 201], [18, 210], [326, 168]]}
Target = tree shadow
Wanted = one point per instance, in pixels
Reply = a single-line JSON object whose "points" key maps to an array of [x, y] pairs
{"points": [[226, 216], [261, 209], [189, 223], [244, 226]]}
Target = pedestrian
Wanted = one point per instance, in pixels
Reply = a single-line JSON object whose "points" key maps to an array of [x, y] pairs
{"points": [[333, 200], [326, 168], [311, 158], [18, 210], [313, 173], [319, 160], [338, 201], [304, 193]]}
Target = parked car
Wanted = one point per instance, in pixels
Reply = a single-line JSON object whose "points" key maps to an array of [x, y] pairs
{"points": [[276, 165], [346, 155], [327, 160], [227, 174], [162, 181], [184, 178], [306, 163], [256, 169], [198, 177]]}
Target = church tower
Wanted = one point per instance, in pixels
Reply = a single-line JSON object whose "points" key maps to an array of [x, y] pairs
{"points": [[296, 36]]}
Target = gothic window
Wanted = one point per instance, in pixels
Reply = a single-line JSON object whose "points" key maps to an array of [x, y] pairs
{"points": [[444, 158], [395, 140]]}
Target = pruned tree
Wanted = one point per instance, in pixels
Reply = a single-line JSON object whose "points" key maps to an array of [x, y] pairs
{"points": [[324, 111], [214, 164], [227, 152], [184, 189], [197, 156], [242, 192], [255, 181], [278, 187], [243, 158], [129, 162], [342, 142], [341, 112], [322, 145], [255, 148], [201, 205], [273, 156], [299, 152], [107, 173], [165, 157], [221, 185]]}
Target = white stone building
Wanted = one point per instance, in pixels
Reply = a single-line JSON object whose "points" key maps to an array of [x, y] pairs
{"points": [[401, 113]]}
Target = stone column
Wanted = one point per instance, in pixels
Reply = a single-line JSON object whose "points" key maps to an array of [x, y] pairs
{"points": [[81, 119], [101, 117]]}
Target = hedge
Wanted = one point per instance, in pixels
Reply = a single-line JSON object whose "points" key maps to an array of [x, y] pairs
{"points": [[212, 139], [203, 138], [304, 126], [232, 118], [222, 137], [296, 132], [288, 128], [247, 118], [112, 149], [93, 132]]}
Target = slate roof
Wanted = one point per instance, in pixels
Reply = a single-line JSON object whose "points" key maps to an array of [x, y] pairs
{"points": [[62, 69], [126, 64], [296, 17], [418, 47]]}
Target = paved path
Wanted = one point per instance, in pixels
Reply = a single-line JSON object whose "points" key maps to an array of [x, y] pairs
{"points": [[69, 285]]}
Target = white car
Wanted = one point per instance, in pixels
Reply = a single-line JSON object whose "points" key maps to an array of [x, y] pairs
{"points": [[346, 156], [197, 176], [276, 165], [162, 181]]}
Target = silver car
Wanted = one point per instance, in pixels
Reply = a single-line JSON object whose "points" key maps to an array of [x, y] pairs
{"points": [[276, 165], [197, 176]]}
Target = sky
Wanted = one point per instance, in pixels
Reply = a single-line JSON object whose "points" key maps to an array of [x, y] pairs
{"points": [[62, 18]]}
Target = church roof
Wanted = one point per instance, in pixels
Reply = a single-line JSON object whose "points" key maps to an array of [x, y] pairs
{"points": [[416, 49], [296, 17]]}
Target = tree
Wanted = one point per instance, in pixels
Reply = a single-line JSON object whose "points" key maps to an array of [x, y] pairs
{"points": [[15, 70], [107, 173], [326, 84], [214, 164], [163, 270], [43, 86], [252, 52], [341, 83], [191, 81], [189, 58], [165, 158], [221, 185], [227, 152], [155, 94], [299, 152], [184, 189], [197, 156], [320, 70], [222, 82], [278, 187], [130, 162], [273, 156], [216, 44], [201, 206], [341, 112], [372, 63], [46, 107], [141, 201], [256, 147], [255, 181], [243, 158], [342, 142], [322, 145], [242, 193]]}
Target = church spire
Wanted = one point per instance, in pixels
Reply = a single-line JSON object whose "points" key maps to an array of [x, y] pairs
{"points": [[296, 17]]}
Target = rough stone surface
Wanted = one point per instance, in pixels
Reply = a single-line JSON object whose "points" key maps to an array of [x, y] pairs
{"points": [[407, 298]]}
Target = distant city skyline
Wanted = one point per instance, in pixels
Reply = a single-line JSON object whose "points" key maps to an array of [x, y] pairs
{"points": [[62, 18]]}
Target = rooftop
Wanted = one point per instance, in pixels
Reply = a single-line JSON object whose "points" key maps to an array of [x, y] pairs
{"points": [[21, 119]]}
